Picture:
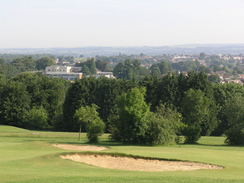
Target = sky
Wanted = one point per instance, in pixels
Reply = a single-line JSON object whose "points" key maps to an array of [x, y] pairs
{"points": [[81, 23]]}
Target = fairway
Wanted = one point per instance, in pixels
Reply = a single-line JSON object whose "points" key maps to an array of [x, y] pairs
{"points": [[30, 157]]}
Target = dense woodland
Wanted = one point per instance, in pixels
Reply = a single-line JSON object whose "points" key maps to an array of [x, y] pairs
{"points": [[138, 108]]}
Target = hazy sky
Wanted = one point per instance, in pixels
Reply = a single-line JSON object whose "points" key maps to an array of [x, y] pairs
{"points": [[76, 23]]}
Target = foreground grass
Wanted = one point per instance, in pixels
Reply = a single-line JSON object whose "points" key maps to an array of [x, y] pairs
{"points": [[28, 157]]}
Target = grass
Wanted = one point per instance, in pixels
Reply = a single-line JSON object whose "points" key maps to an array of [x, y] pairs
{"points": [[28, 157]]}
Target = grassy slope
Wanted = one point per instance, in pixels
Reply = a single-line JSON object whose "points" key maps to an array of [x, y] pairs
{"points": [[27, 157]]}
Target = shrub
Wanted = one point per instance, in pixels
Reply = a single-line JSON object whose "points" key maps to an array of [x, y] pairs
{"points": [[95, 129], [159, 131], [235, 136], [192, 134], [163, 126], [36, 119]]}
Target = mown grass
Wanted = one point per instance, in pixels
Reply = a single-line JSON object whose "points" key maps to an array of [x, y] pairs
{"points": [[28, 157]]}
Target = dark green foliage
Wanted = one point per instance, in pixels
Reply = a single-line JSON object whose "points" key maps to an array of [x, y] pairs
{"points": [[14, 103], [161, 68], [36, 119], [234, 115], [26, 63], [198, 113], [155, 71], [43, 62], [46, 92], [31, 91], [19, 64], [186, 66], [235, 135], [102, 92], [86, 70], [214, 78], [192, 134], [223, 93], [170, 89], [130, 70], [88, 67], [103, 66]]}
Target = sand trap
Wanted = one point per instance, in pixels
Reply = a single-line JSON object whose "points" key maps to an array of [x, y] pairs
{"points": [[79, 147], [138, 164]]}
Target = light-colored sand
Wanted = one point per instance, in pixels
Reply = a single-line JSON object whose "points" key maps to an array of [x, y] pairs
{"points": [[138, 164], [79, 147]]}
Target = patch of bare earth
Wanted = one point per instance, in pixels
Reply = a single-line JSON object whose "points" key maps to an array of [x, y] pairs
{"points": [[79, 147], [137, 164]]}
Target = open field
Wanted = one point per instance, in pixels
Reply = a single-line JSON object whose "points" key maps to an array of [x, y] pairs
{"points": [[29, 157]]}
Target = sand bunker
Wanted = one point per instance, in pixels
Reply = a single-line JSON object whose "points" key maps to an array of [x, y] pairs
{"points": [[138, 164], [79, 147]]}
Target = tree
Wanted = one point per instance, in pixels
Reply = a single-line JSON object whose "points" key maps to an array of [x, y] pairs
{"points": [[223, 93], [85, 70], [43, 62], [14, 103], [102, 65], [133, 111], [155, 71], [130, 70], [36, 119], [45, 92], [86, 91], [198, 113], [214, 78], [89, 117], [165, 67], [88, 67], [234, 114]]}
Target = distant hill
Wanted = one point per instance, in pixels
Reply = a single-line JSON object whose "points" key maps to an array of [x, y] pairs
{"points": [[148, 50]]}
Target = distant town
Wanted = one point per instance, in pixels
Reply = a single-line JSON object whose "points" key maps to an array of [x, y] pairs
{"points": [[224, 68]]}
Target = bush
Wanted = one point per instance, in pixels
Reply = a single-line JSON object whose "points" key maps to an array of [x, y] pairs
{"points": [[192, 134], [159, 131], [163, 126], [235, 136], [95, 129]]}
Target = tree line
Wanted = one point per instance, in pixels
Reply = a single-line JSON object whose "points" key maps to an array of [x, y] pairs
{"points": [[10, 67], [153, 110]]}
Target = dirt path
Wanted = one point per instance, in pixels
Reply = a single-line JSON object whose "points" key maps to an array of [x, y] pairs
{"points": [[79, 147], [138, 164]]}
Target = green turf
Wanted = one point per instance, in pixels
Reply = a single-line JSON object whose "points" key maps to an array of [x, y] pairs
{"points": [[28, 157]]}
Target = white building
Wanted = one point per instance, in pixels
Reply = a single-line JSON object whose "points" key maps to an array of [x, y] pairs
{"points": [[105, 74], [64, 72]]}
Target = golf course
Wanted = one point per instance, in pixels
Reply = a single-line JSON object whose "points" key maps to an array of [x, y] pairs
{"points": [[32, 157]]}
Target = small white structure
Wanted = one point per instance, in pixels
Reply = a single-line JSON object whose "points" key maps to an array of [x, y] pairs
{"points": [[64, 72], [105, 74]]}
